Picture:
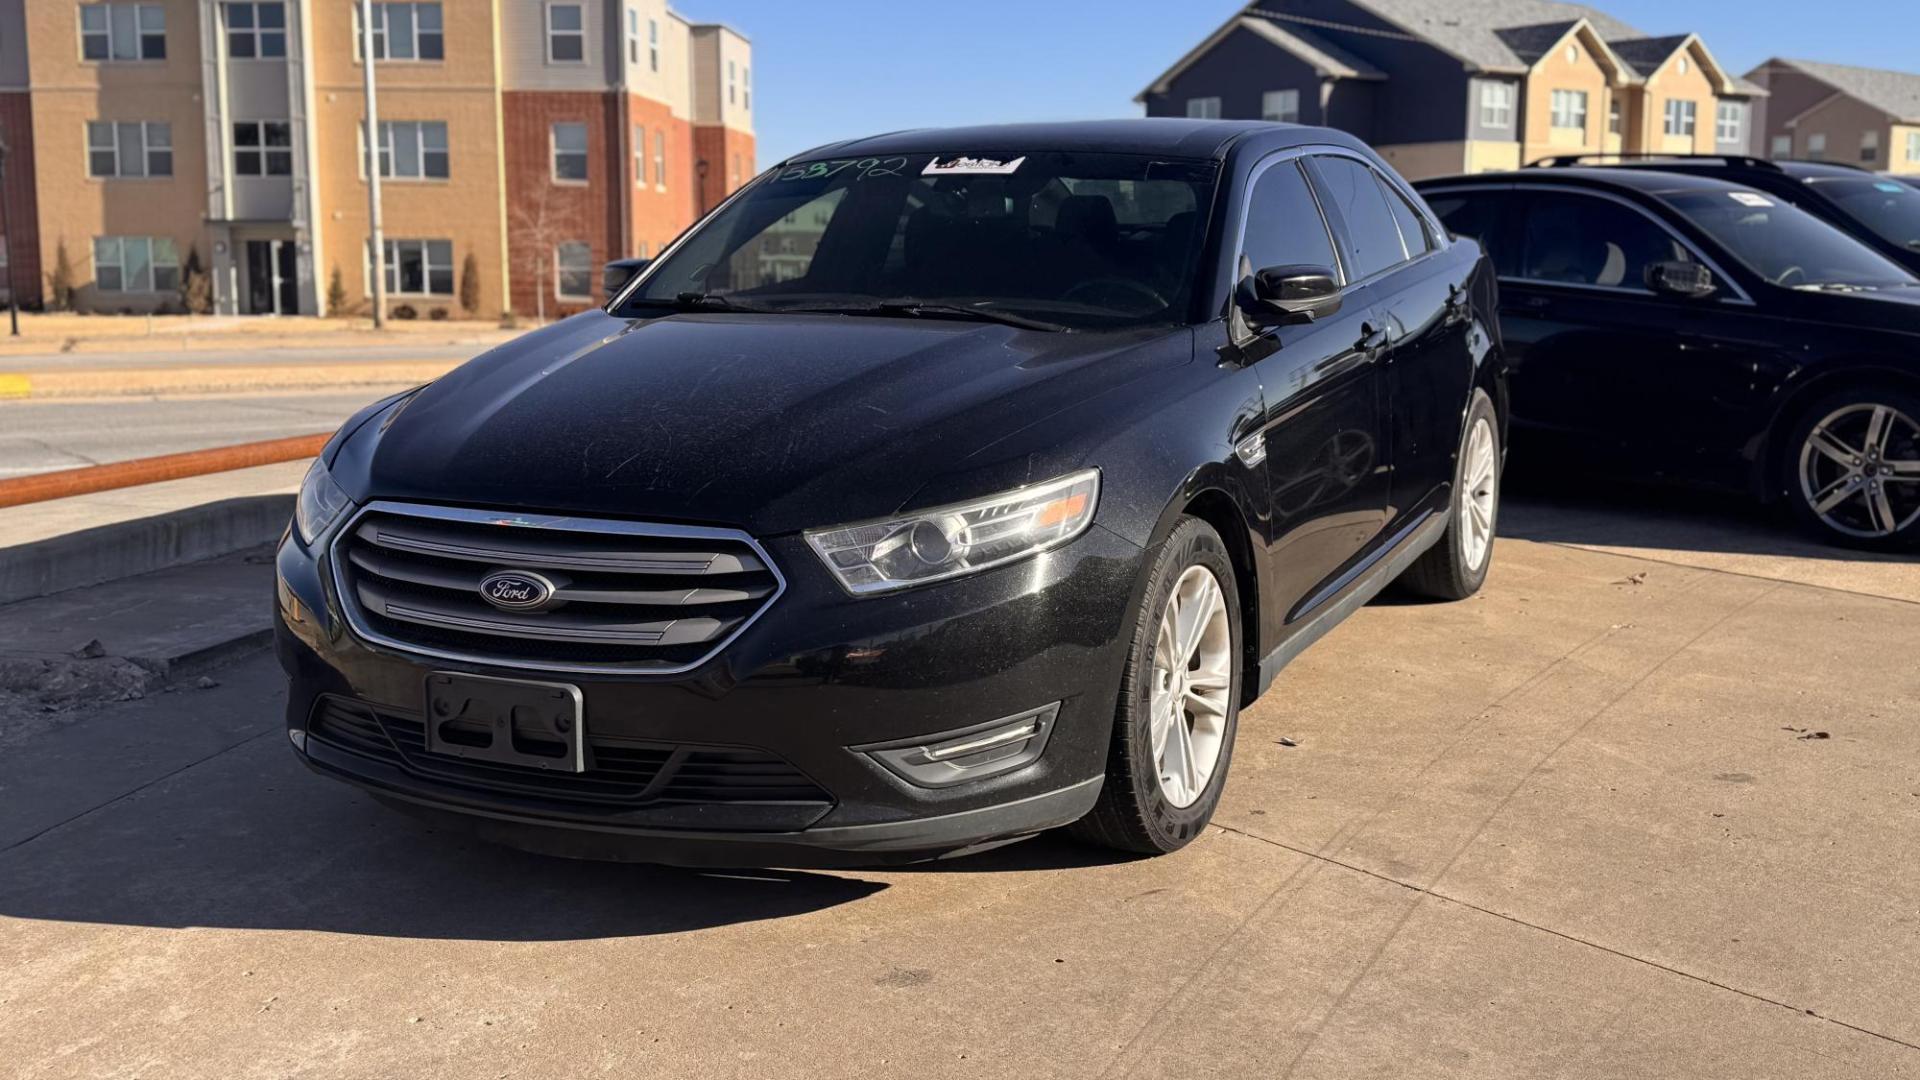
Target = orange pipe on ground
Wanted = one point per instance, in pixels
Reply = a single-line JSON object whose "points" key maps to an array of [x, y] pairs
{"points": [[40, 487]]}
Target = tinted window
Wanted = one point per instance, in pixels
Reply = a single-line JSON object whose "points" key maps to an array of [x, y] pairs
{"points": [[1476, 216], [1413, 228], [1284, 226], [1581, 240], [1784, 244], [1891, 209], [1373, 240]]}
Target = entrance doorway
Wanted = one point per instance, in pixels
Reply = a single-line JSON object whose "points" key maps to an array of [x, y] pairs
{"points": [[273, 286]]}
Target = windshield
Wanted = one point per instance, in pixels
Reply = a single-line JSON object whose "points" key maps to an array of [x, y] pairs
{"points": [[1048, 240], [1786, 245], [1888, 207]]}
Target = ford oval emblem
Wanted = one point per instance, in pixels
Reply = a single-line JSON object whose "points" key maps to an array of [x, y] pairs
{"points": [[515, 590]]}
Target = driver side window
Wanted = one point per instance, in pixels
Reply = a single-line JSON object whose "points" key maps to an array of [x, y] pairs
{"points": [[1580, 240], [1284, 225]]}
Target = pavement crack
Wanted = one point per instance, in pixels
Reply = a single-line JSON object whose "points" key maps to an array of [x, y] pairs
{"points": [[131, 792], [1430, 891]]}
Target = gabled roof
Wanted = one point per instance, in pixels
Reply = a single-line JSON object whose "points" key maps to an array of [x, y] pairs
{"points": [[1470, 29], [1530, 43], [1896, 93], [1648, 53], [1326, 58]]}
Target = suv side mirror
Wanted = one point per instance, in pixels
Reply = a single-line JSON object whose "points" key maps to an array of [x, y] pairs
{"points": [[1285, 295], [1688, 280]]}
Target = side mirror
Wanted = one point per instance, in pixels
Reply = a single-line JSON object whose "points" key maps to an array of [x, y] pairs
{"points": [[1688, 280], [1285, 295]]}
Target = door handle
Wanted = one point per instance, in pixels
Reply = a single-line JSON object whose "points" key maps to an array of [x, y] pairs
{"points": [[1371, 339]]}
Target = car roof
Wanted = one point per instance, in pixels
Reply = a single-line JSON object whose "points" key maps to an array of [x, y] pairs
{"points": [[1170, 136], [1642, 180]]}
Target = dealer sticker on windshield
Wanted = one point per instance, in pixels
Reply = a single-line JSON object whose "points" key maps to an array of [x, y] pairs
{"points": [[962, 165], [1748, 198]]}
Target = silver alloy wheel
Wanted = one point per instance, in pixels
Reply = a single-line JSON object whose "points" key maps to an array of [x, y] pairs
{"points": [[1860, 470], [1192, 673], [1479, 494]]}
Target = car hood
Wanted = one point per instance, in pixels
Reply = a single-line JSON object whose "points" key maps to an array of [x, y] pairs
{"points": [[771, 423]]}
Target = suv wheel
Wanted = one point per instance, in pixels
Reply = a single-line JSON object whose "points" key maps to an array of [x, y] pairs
{"points": [[1455, 567], [1852, 467], [1179, 702]]}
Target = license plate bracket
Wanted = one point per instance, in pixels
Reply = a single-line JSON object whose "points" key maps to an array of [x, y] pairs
{"points": [[534, 725]]}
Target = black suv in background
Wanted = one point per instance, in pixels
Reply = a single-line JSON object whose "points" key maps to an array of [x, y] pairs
{"points": [[939, 488], [1880, 211], [1683, 326]]}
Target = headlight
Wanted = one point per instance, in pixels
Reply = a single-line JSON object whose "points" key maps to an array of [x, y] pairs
{"points": [[320, 504], [944, 542]]}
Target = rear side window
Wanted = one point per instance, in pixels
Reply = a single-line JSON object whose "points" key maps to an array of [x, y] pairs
{"points": [[1414, 233], [1475, 215], [1581, 240], [1373, 239], [1284, 226]]}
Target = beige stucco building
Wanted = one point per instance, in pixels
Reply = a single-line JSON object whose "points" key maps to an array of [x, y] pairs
{"points": [[1850, 115]]}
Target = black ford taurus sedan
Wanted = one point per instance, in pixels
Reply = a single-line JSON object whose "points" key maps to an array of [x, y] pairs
{"points": [[1684, 327], [938, 489]]}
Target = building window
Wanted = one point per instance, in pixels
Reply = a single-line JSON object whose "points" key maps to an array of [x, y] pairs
{"points": [[135, 264], [419, 267], [1681, 116], [746, 88], [1203, 108], [403, 32], [573, 271], [263, 148], [653, 44], [633, 38], [1614, 121], [1817, 147], [413, 150], [1570, 109], [123, 32], [1870, 148], [732, 97], [639, 156], [1783, 146], [132, 148], [1280, 106], [570, 152], [1913, 147], [736, 172], [1729, 122], [1496, 105], [660, 159], [566, 34], [256, 31]]}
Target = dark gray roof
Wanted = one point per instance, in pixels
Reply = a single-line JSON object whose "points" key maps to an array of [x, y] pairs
{"points": [[1530, 43], [1324, 56], [1645, 55], [1896, 93], [1470, 29]]}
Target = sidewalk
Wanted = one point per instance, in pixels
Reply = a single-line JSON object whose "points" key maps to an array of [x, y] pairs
{"points": [[54, 335]]}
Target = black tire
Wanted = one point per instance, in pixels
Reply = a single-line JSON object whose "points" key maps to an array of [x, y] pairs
{"points": [[1806, 475], [1134, 813], [1446, 571]]}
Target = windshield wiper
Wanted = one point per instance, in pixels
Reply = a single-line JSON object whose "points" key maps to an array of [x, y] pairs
{"points": [[695, 301], [927, 309]]}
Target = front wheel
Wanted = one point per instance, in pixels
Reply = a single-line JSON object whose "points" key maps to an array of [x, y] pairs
{"points": [[1455, 567], [1179, 701], [1852, 466]]}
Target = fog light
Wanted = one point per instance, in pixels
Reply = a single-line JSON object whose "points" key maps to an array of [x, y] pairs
{"points": [[970, 753], [298, 738]]}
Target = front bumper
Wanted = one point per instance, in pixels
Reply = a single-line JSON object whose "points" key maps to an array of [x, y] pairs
{"points": [[816, 682]]}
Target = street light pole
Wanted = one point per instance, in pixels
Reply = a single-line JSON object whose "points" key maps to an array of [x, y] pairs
{"points": [[6, 234], [377, 241]]}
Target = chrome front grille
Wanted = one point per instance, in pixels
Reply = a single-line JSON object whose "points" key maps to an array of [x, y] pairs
{"points": [[626, 597]]}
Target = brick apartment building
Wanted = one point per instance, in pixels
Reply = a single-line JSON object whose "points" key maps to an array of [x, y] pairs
{"points": [[521, 144]]}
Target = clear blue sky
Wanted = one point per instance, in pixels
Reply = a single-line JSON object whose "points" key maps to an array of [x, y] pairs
{"points": [[839, 68]]}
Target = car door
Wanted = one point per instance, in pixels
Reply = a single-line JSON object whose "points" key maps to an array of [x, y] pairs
{"points": [[1322, 441]]}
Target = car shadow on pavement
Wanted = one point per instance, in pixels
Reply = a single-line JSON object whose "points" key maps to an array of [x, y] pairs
{"points": [[261, 845]]}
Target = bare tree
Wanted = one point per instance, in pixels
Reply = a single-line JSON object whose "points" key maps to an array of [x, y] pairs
{"points": [[537, 228]]}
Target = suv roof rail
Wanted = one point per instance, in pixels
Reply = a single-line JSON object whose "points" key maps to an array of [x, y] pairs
{"points": [[1566, 161]]}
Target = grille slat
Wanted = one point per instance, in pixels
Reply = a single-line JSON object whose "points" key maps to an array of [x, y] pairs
{"points": [[626, 597], [622, 772]]}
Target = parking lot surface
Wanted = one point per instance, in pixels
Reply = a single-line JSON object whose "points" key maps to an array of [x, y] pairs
{"points": [[1622, 815]]}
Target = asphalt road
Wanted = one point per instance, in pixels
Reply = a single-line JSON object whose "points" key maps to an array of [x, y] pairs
{"points": [[1618, 816], [37, 436]]}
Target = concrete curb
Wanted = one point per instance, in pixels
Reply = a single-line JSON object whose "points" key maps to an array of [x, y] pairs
{"points": [[110, 552], [231, 378]]}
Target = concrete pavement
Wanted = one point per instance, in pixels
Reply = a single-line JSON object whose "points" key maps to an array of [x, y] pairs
{"points": [[1575, 827]]}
